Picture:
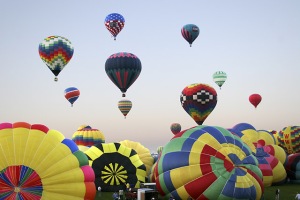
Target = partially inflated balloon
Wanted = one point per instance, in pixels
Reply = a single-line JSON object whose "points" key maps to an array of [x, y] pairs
{"points": [[114, 23], [88, 136], [198, 100], [255, 99], [56, 52], [190, 32], [293, 168], [125, 106], [219, 78], [289, 139], [208, 162], [123, 69], [38, 163], [72, 94], [175, 128]]}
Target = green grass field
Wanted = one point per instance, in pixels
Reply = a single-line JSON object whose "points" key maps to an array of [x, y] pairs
{"points": [[287, 192]]}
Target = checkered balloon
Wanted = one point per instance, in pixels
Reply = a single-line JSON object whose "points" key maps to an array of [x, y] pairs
{"points": [[198, 100], [114, 23]]}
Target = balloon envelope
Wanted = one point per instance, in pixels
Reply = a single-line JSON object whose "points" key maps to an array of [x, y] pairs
{"points": [[255, 99], [219, 78], [190, 32], [39, 163], [123, 69], [114, 23], [56, 52], [198, 100], [125, 106], [72, 94], [88, 136], [175, 128]]}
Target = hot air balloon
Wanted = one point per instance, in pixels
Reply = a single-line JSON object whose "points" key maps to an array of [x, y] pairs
{"points": [[114, 23], [212, 163], [293, 167], [125, 106], [190, 32], [39, 163], [72, 94], [255, 99], [123, 69], [115, 165], [143, 153], [175, 128], [289, 139], [219, 78], [56, 52], [198, 100], [88, 136]]}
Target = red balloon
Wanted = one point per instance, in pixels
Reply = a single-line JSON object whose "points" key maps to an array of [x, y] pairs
{"points": [[255, 99]]}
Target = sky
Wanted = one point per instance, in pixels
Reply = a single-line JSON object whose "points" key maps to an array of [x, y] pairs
{"points": [[257, 44]]}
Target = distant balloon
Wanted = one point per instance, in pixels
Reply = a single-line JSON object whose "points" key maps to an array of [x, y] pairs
{"points": [[123, 69], [219, 78], [255, 99], [88, 136], [114, 23], [56, 52], [198, 100], [190, 32], [72, 94], [125, 106], [175, 128]]}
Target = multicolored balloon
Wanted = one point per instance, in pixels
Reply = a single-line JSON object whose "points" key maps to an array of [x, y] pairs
{"points": [[190, 32], [38, 163], [116, 165], [292, 168], [198, 100], [175, 128], [289, 139], [255, 99], [212, 163], [125, 106], [88, 136], [219, 78], [123, 69], [72, 94], [114, 23], [56, 52]]}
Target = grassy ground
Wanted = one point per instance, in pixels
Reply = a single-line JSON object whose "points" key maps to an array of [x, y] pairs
{"points": [[287, 192]]}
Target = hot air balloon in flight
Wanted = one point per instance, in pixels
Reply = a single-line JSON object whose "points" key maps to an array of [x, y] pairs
{"points": [[219, 78], [56, 52], [123, 69], [198, 100], [125, 106], [208, 162], [39, 163], [255, 99], [190, 32], [115, 165], [175, 128], [72, 94], [114, 23]]}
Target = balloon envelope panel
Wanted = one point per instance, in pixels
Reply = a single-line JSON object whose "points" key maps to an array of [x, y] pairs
{"points": [[212, 163]]}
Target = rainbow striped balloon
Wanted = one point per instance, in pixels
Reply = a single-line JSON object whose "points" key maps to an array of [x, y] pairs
{"points": [[38, 163], [125, 106], [56, 52]]}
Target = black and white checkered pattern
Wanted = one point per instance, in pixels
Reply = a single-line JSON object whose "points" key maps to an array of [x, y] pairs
{"points": [[202, 97]]}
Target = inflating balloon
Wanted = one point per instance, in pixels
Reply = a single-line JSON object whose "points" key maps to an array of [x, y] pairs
{"points": [[88, 136], [219, 78], [125, 106], [255, 99], [198, 100], [114, 23], [289, 139], [56, 52], [38, 163], [190, 32], [212, 163], [72, 94], [123, 69], [175, 128], [115, 165], [293, 168]]}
